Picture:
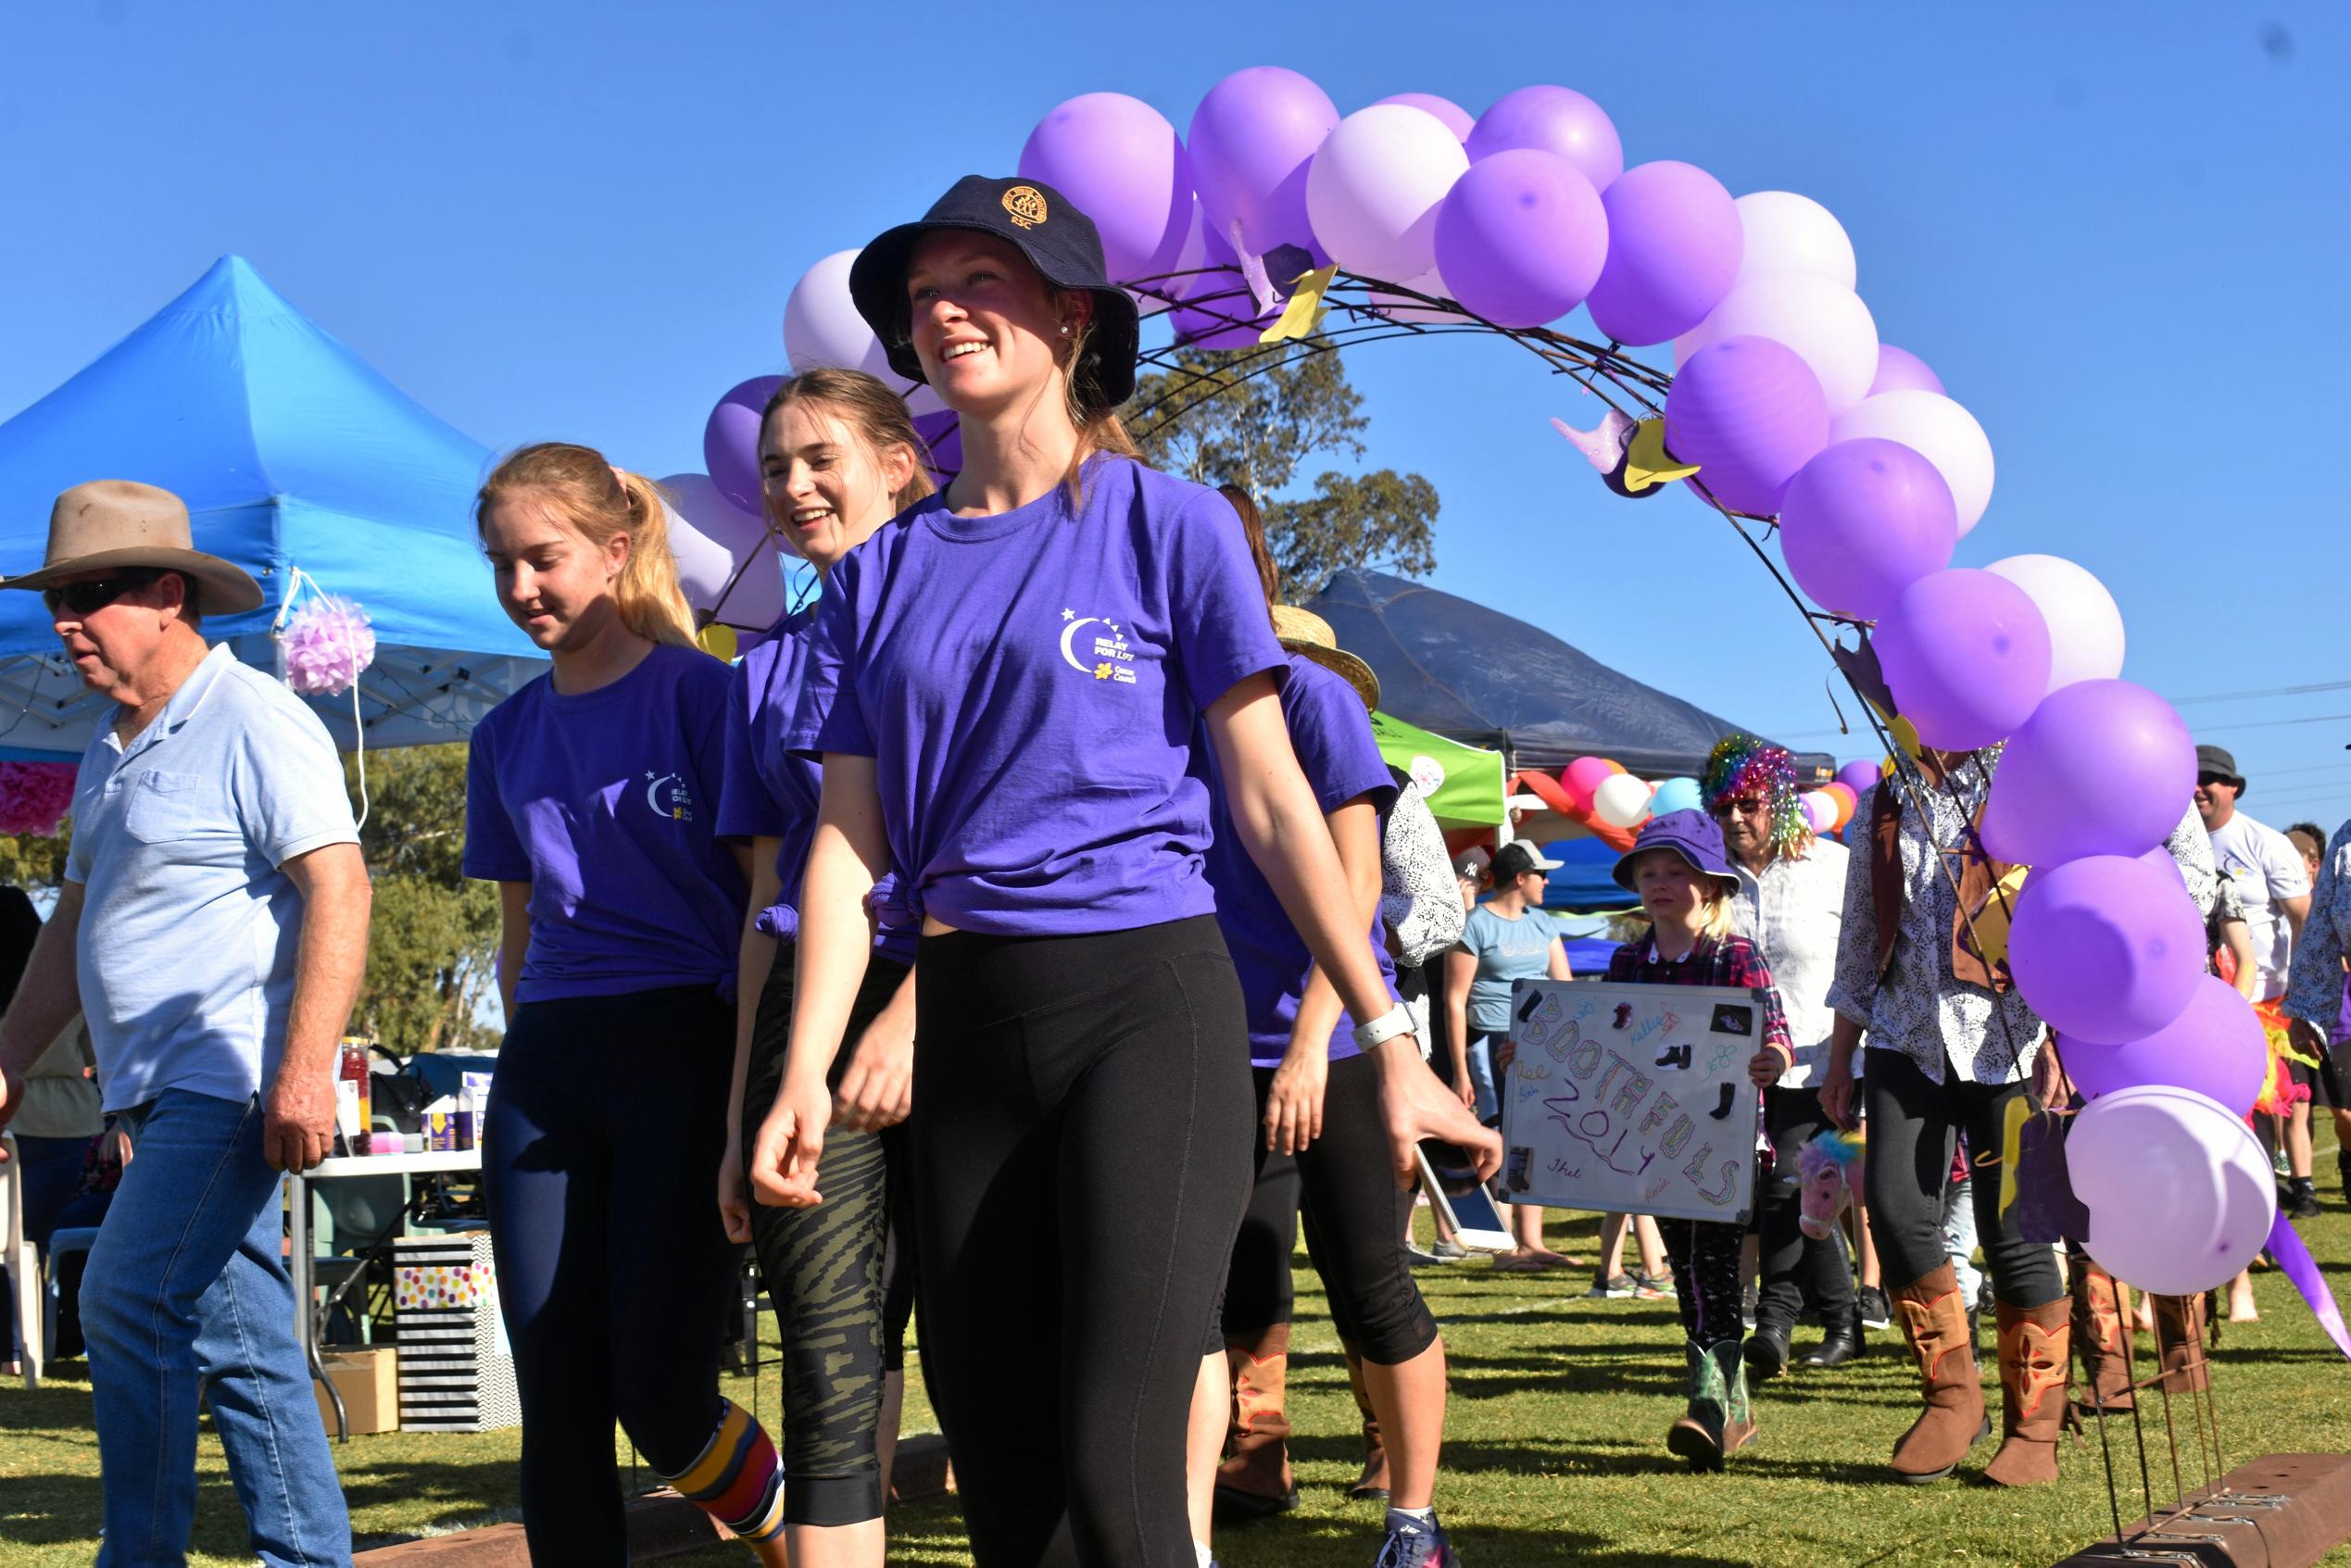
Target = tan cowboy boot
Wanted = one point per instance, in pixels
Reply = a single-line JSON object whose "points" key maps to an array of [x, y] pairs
{"points": [[1372, 1485], [2101, 1338], [1255, 1478], [2180, 1335], [2035, 1361], [1934, 1321]]}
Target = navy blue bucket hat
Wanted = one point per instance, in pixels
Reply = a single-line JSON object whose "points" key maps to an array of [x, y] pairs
{"points": [[1059, 241], [1691, 835]]}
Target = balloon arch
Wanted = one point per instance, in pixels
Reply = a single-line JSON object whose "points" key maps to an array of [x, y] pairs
{"points": [[1276, 226]]}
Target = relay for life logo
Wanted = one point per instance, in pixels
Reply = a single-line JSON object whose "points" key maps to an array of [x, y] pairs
{"points": [[667, 796], [1104, 655]]}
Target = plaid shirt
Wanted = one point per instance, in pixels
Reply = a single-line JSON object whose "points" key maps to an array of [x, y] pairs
{"points": [[1727, 961]]}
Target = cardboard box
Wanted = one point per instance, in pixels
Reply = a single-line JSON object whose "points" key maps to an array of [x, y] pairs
{"points": [[369, 1380]]}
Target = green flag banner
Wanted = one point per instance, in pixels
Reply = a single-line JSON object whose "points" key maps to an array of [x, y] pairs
{"points": [[1461, 783]]}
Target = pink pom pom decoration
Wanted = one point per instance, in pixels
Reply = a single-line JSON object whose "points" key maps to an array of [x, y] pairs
{"points": [[327, 643], [34, 796]]}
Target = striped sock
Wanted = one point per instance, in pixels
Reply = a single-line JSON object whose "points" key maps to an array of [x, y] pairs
{"points": [[737, 1481]]}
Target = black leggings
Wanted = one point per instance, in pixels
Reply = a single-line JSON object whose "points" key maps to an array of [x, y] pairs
{"points": [[1080, 1137], [1913, 1126], [1797, 1270], [600, 1163], [840, 1278], [1354, 1228], [1704, 1255]]}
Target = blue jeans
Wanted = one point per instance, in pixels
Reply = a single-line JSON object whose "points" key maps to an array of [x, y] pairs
{"points": [[187, 1281], [1482, 1076]]}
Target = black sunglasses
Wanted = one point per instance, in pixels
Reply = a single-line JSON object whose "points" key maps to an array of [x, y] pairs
{"points": [[94, 594], [2205, 781]]}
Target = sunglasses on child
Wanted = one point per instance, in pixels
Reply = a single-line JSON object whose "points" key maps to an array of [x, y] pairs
{"points": [[94, 594]]}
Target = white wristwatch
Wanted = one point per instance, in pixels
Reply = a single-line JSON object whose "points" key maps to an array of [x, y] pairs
{"points": [[1396, 1021]]}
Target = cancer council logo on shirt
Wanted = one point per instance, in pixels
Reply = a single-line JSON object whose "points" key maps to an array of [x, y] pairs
{"points": [[666, 795], [1106, 655]]}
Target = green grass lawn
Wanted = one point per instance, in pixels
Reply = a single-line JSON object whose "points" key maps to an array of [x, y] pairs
{"points": [[1554, 1450]]}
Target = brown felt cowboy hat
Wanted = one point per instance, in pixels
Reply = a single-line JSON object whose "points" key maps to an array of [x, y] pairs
{"points": [[120, 522]]}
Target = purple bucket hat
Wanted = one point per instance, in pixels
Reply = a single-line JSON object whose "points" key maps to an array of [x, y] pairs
{"points": [[1691, 835]]}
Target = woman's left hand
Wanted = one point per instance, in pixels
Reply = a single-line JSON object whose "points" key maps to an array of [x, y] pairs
{"points": [[1765, 1068], [1294, 1101], [877, 1089]]}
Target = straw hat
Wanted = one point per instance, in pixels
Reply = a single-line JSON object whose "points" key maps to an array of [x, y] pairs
{"points": [[1302, 631], [110, 522]]}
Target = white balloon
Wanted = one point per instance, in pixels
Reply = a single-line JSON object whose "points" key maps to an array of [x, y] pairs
{"points": [[821, 326], [1402, 307], [711, 537], [2085, 625], [2181, 1195], [1621, 800], [1937, 430], [1823, 321], [1375, 186], [1786, 232], [1820, 810]]}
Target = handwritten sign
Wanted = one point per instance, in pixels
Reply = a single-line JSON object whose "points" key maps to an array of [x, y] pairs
{"points": [[1632, 1098]]}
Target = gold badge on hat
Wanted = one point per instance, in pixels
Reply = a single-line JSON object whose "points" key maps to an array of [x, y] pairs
{"points": [[1027, 204]]}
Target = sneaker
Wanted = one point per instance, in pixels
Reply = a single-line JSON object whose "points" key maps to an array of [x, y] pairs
{"points": [[1653, 1288], [1619, 1288], [1420, 1260], [1876, 1311], [1449, 1250], [1413, 1543]]}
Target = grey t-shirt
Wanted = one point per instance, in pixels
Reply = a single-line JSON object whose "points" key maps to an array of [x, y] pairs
{"points": [[1505, 950]]}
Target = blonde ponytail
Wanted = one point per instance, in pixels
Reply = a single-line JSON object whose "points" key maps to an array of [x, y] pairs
{"points": [[598, 500], [652, 605]]}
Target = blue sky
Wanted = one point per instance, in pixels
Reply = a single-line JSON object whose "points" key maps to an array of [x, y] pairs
{"points": [[2119, 233]]}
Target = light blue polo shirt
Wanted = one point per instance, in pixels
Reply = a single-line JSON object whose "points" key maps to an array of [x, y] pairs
{"points": [[188, 927]]}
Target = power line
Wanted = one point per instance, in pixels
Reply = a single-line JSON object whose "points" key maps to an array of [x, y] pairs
{"points": [[2266, 691]]}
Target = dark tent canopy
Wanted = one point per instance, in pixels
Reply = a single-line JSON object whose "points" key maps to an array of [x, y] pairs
{"points": [[1474, 674]]}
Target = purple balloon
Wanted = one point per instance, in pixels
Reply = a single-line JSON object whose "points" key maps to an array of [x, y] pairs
{"points": [[1119, 163], [2107, 949], [1863, 521], [943, 434], [2101, 768], [1901, 370], [1857, 776], [731, 443], [1966, 655], [1250, 141], [1674, 243], [1521, 238], [1226, 315], [1457, 120], [1749, 412], [1551, 120], [2216, 1046]]}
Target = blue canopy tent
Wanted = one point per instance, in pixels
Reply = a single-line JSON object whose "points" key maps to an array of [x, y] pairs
{"points": [[1476, 675], [294, 456]]}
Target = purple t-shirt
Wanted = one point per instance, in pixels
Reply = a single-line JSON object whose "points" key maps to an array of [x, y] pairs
{"points": [[606, 802], [1030, 685], [772, 792], [1332, 736]]}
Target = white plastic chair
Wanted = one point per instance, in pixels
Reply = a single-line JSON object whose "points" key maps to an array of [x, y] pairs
{"points": [[24, 1268]]}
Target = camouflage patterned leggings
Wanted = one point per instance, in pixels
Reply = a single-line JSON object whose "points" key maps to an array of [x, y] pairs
{"points": [[841, 1276]]}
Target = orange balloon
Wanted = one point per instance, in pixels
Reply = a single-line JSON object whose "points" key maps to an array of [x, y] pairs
{"points": [[1548, 790]]}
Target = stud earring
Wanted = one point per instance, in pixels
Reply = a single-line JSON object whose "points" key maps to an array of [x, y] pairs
{"points": [[1065, 332]]}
